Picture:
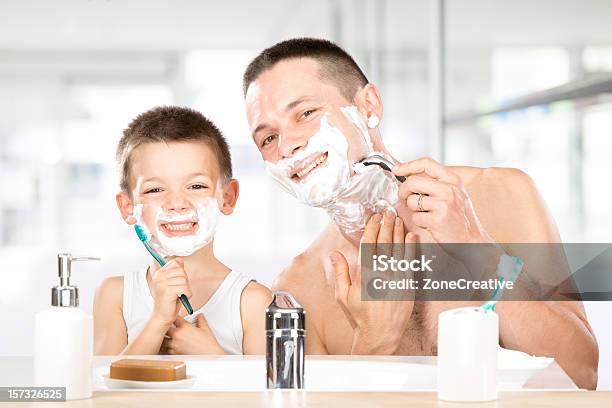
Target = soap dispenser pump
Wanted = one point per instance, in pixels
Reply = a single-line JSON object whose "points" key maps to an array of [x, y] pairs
{"points": [[63, 338]]}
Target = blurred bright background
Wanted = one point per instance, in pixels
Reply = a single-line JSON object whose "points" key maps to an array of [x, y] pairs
{"points": [[74, 73]]}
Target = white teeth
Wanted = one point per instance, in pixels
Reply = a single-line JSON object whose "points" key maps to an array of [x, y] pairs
{"points": [[179, 227], [311, 166]]}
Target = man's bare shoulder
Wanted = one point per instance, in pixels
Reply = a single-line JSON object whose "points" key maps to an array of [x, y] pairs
{"points": [[304, 277], [502, 177], [298, 277], [506, 197]]}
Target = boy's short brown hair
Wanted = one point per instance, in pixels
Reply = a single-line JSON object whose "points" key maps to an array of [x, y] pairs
{"points": [[171, 124]]}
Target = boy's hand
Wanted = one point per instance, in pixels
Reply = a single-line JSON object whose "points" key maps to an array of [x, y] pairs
{"points": [[169, 283], [187, 339]]}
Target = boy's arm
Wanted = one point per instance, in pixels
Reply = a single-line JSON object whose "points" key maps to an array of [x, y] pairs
{"points": [[255, 298], [149, 340], [168, 283], [110, 333]]}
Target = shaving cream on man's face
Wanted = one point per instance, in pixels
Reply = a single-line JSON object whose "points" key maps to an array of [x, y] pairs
{"points": [[322, 176], [315, 174], [179, 234]]}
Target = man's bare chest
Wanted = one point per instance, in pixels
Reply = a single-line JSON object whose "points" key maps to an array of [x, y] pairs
{"points": [[418, 339]]}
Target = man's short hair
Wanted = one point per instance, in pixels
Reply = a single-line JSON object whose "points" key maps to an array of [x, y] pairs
{"points": [[171, 124], [335, 65]]}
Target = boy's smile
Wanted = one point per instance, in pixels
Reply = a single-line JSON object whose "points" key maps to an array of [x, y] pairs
{"points": [[179, 225], [178, 229]]}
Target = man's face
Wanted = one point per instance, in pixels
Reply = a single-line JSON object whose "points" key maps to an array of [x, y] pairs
{"points": [[289, 104]]}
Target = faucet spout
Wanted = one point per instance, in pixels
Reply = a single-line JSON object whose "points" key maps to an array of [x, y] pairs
{"points": [[285, 337]]}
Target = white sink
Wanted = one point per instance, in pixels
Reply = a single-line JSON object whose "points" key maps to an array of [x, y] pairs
{"points": [[329, 373], [249, 374]]}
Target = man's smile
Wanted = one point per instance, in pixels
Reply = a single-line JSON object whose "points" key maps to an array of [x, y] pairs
{"points": [[304, 167]]}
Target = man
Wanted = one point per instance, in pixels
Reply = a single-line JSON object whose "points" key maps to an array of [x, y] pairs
{"points": [[299, 90]]}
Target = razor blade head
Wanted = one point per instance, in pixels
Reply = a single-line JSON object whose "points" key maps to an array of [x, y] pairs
{"points": [[382, 162]]}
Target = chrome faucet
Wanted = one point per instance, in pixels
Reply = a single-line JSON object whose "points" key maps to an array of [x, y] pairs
{"points": [[285, 335]]}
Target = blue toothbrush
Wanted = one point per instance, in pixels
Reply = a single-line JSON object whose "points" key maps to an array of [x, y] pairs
{"points": [[144, 238]]}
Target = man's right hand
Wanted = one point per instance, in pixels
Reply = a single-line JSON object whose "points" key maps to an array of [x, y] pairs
{"points": [[169, 283], [378, 325]]}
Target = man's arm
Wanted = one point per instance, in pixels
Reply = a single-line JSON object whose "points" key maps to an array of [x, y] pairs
{"points": [[504, 206], [547, 328]]}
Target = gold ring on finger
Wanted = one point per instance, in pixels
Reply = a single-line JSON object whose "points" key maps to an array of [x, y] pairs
{"points": [[420, 203]]}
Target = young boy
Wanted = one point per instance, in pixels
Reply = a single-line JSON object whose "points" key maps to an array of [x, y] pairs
{"points": [[176, 180]]}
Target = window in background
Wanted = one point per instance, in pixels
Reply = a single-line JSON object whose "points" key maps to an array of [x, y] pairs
{"points": [[60, 172], [597, 129], [597, 59], [562, 146]]}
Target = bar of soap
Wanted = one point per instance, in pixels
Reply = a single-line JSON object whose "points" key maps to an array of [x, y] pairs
{"points": [[148, 370]]}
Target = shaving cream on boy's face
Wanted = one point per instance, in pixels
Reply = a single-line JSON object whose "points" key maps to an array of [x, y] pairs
{"points": [[182, 233]]}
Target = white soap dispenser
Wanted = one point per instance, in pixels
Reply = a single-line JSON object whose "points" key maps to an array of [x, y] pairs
{"points": [[63, 338]]}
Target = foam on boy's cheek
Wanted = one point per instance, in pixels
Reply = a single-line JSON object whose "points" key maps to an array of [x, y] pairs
{"points": [[137, 214], [159, 223], [143, 220], [206, 214], [145, 217]]}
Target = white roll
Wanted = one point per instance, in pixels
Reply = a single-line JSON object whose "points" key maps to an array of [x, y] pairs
{"points": [[468, 338]]}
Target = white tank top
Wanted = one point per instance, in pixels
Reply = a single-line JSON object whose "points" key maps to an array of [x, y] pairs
{"points": [[222, 311]]}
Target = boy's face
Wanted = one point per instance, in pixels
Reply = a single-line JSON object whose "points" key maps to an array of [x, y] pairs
{"points": [[176, 195]]}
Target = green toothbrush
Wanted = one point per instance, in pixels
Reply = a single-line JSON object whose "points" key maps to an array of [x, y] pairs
{"points": [[513, 265], [144, 238], [490, 305]]}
